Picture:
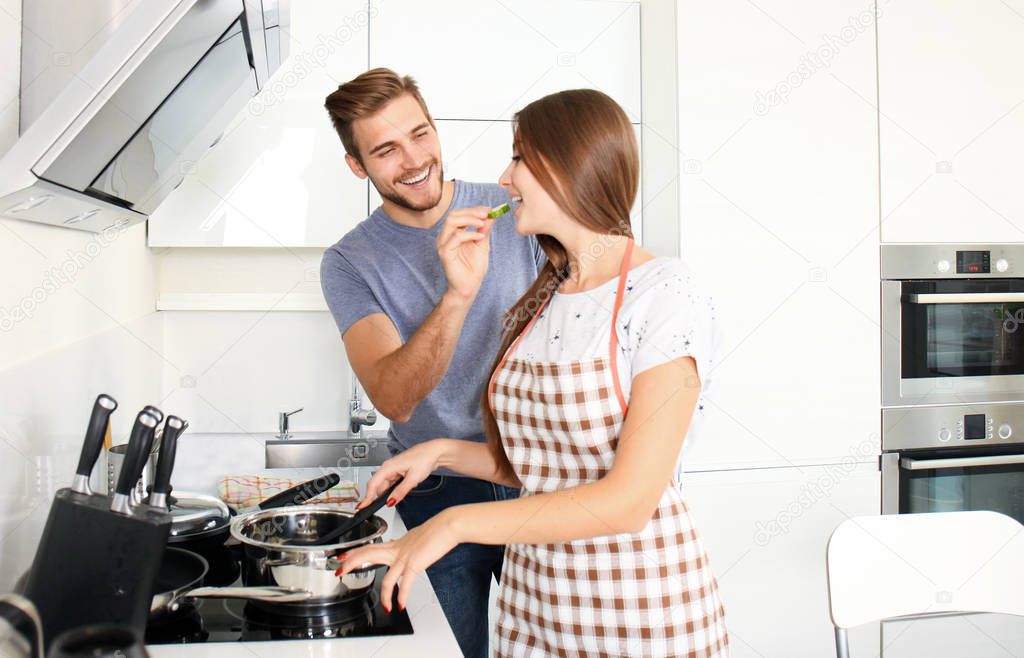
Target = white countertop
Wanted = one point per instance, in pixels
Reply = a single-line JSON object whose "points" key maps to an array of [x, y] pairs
{"points": [[432, 637]]}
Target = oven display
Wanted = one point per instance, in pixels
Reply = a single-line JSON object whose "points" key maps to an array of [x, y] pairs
{"points": [[973, 262], [974, 426]]}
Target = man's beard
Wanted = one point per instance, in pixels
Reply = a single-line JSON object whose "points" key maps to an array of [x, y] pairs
{"points": [[395, 197]]}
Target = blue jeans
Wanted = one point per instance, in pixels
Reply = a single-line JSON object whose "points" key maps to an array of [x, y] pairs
{"points": [[462, 578]]}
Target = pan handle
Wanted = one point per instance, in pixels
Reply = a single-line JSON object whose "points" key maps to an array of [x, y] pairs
{"points": [[300, 493], [270, 594]]}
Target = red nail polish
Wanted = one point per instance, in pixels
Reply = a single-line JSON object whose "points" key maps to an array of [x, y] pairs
{"points": [[391, 502], [341, 556], [338, 572]]}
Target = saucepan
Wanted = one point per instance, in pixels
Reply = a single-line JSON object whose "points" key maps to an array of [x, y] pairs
{"points": [[282, 548]]}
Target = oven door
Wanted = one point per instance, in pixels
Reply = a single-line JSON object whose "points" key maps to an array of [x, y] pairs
{"points": [[952, 341], [954, 480]]}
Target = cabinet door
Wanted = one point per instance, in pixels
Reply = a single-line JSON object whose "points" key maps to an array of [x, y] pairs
{"points": [[952, 121], [779, 216], [479, 151], [277, 177], [485, 60], [765, 532]]}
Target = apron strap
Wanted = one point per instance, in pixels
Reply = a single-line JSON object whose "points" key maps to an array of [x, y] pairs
{"points": [[613, 343], [613, 346], [511, 348]]}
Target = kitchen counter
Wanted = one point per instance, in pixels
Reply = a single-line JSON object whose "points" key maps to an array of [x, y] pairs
{"points": [[432, 637]]}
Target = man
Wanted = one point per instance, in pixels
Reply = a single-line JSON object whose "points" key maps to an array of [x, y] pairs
{"points": [[420, 328]]}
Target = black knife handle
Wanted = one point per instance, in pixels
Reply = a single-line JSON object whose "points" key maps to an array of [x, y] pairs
{"points": [[168, 449], [300, 493], [136, 453], [101, 410], [154, 412]]}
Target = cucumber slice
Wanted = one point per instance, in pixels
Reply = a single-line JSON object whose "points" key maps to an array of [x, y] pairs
{"points": [[498, 211]]}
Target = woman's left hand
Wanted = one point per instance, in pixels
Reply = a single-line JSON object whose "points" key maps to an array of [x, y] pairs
{"points": [[406, 557]]}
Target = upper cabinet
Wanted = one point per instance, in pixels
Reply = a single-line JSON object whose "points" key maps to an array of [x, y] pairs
{"points": [[779, 218], [951, 95], [488, 59], [277, 177]]}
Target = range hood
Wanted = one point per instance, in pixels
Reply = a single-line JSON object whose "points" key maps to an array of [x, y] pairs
{"points": [[119, 98]]}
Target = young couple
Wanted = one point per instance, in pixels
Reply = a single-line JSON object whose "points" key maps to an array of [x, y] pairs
{"points": [[561, 362]]}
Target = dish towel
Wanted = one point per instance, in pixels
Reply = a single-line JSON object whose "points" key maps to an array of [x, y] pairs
{"points": [[249, 490]]}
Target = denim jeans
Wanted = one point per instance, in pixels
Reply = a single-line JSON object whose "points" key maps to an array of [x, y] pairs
{"points": [[462, 578]]}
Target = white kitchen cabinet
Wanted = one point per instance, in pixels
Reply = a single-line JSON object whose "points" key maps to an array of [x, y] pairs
{"points": [[488, 59], [479, 151], [765, 532], [951, 95], [277, 177], [779, 216]]}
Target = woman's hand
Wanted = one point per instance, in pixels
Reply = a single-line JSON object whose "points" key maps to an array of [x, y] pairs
{"points": [[406, 557], [465, 254], [414, 464]]}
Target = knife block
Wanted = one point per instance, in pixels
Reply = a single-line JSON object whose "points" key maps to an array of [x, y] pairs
{"points": [[95, 566]]}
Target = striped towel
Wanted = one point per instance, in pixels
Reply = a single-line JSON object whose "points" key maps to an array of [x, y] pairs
{"points": [[249, 490]]}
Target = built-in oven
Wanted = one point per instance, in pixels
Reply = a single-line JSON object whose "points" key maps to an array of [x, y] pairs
{"points": [[953, 458], [952, 414], [952, 324]]}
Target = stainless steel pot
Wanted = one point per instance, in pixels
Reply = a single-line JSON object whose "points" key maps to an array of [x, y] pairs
{"points": [[308, 566]]}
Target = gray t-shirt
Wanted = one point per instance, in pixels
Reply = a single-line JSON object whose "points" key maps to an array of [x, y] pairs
{"points": [[382, 266]]}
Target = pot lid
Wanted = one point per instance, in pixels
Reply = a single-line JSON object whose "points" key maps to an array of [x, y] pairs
{"points": [[192, 513]]}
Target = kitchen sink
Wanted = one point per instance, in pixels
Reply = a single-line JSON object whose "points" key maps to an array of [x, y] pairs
{"points": [[328, 449]]}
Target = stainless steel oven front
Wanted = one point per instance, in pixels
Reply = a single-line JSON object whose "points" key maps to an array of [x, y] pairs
{"points": [[953, 458], [952, 324]]}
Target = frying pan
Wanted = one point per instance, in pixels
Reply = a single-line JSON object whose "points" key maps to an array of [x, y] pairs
{"points": [[179, 584]]}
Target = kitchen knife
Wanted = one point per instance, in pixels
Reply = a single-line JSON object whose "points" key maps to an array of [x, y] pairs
{"points": [[134, 459], [165, 462], [101, 410], [154, 412]]}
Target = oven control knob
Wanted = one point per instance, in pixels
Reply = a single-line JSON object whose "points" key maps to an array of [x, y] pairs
{"points": [[944, 434], [1005, 431], [1002, 265], [943, 265]]}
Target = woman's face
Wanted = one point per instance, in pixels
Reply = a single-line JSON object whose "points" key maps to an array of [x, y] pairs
{"points": [[534, 209]]}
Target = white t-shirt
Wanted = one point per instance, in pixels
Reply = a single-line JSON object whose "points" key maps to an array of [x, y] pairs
{"points": [[664, 316]]}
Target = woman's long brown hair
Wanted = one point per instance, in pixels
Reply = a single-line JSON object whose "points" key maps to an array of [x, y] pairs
{"points": [[581, 148]]}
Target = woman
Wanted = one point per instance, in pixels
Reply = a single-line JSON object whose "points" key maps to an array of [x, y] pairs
{"points": [[601, 556]]}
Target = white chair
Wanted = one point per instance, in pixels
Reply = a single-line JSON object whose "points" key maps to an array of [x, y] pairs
{"points": [[914, 565]]}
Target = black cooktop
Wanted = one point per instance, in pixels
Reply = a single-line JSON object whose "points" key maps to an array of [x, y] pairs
{"points": [[235, 620]]}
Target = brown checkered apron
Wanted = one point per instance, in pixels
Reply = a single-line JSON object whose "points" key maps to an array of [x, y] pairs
{"points": [[649, 593]]}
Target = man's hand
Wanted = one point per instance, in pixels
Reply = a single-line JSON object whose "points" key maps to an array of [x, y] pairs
{"points": [[465, 254]]}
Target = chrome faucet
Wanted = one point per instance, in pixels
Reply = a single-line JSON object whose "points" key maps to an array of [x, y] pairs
{"points": [[358, 416], [282, 423]]}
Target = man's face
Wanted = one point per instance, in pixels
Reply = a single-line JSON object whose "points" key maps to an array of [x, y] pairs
{"points": [[401, 154]]}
